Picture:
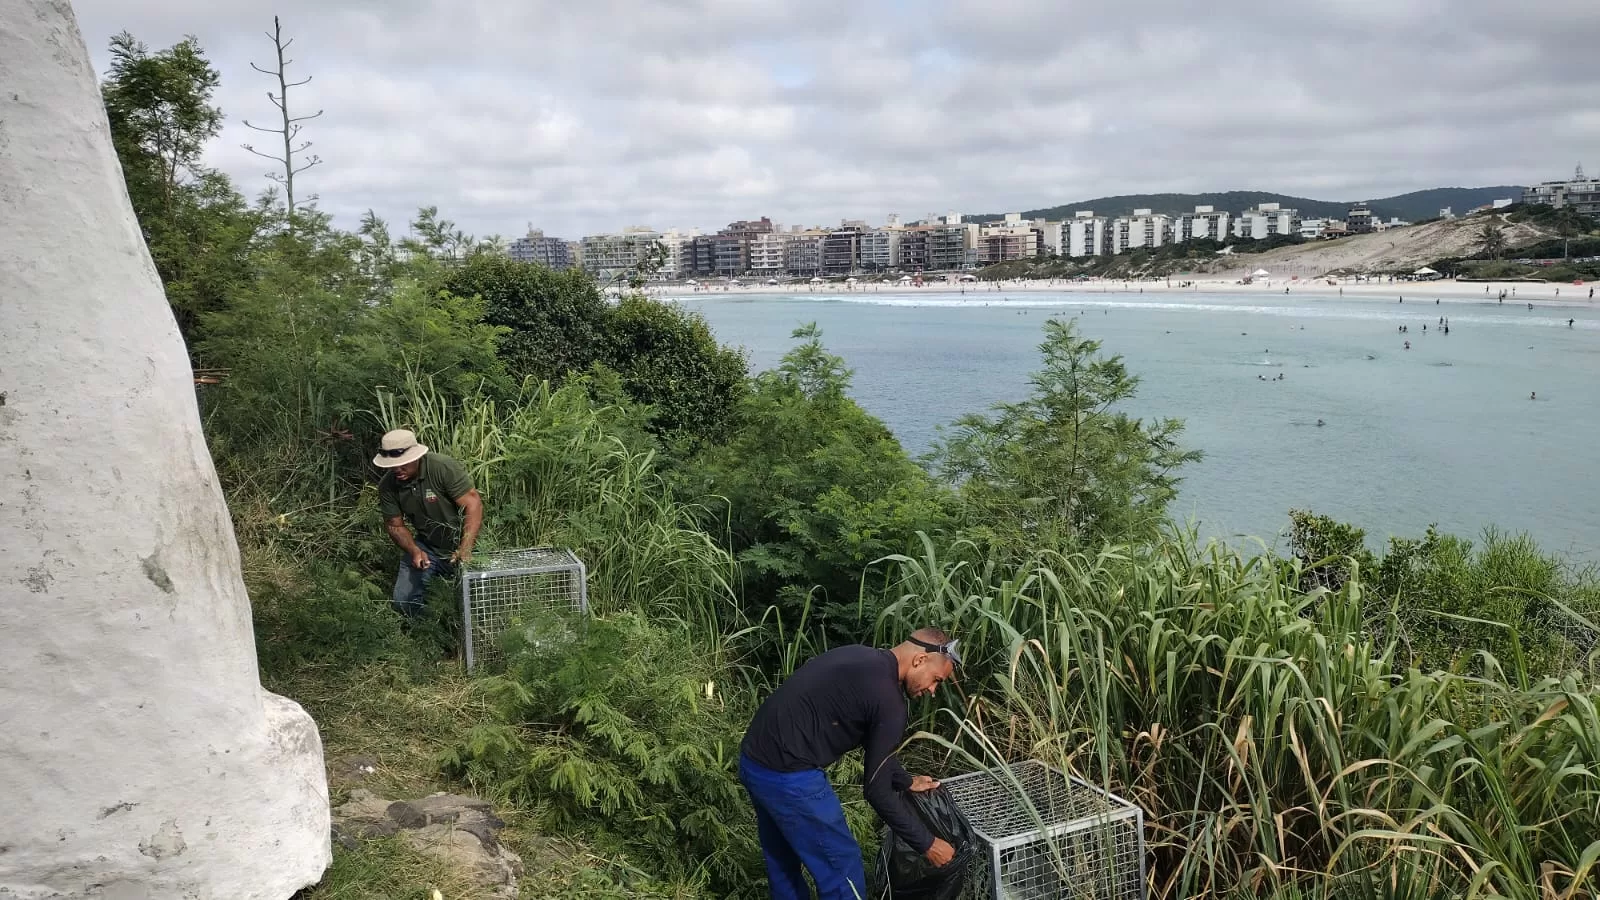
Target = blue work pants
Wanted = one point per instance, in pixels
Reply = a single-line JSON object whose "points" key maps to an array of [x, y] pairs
{"points": [[800, 823]]}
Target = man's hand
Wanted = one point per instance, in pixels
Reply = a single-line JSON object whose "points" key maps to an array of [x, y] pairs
{"points": [[940, 853], [419, 559], [922, 783], [461, 555]]}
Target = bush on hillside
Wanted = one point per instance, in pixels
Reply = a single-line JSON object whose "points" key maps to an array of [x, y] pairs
{"points": [[638, 737], [1449, 599], [813, 489], [557, 324], [669, 360]]}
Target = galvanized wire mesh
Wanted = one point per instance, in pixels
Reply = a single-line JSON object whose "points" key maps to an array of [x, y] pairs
{"points": [[498, 589], [1045, 835]]}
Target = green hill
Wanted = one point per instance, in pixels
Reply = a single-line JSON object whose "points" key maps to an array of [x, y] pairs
{"points": [[1410, 207]]}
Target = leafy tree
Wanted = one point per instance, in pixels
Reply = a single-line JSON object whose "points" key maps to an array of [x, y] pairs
{"points": [[160, 112], [815, 489], [197, 227], [554, 319], [1064, 468], [669, 359]]}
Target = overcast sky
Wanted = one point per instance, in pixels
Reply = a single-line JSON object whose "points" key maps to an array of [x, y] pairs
{"points": [[587, 115]]}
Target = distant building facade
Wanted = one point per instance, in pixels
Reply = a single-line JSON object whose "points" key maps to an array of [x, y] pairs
{"points": [[550, 252], [607, 257], [1144, 229], [1086, 234], [1266, 220], [1579, 193], [1359, 219], [1205, 223]]}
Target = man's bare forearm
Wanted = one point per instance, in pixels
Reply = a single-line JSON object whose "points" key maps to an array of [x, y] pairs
{"points": [[401, 535], [474, 521]]}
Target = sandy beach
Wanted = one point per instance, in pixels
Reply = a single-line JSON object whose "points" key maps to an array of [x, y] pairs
{"points": [[1445, 291]]}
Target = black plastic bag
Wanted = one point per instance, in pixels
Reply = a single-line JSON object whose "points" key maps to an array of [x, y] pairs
{"points": [[904, 874]]}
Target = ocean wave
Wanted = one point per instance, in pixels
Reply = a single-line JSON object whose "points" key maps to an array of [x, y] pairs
{"points": [[1323, 308]]}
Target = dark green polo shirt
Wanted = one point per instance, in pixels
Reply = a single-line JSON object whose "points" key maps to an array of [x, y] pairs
{"points": [[428, 500]]}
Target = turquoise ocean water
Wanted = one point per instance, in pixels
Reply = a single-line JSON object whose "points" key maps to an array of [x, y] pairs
{"points": [[1444, 432]]}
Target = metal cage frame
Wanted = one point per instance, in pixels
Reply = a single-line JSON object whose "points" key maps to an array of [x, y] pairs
{"points": [[480, 625], [987, 876]]}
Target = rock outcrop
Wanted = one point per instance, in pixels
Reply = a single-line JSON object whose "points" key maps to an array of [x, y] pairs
{"points": [[462, 832], [140, 758]]}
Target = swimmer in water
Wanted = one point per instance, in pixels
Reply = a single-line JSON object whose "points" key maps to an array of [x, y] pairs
{"points": [[1320, 423], [1533, 395]]}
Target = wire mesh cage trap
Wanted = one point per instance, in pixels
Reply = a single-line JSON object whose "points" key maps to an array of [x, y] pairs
{"points": [[499, 588], [1043, 834]]}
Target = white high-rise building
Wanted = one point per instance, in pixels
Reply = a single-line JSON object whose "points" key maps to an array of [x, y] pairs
{"points": [[1052, 236], [1265, 220], [1086, 234], [1205, 223], [1140, 230]]}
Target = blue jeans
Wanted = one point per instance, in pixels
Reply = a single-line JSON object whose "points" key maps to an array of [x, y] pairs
{"points": [[411, 582], [800, 823]]}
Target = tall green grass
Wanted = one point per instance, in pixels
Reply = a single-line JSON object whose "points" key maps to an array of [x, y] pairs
{"points": [[558, 467], [1277, 745]]}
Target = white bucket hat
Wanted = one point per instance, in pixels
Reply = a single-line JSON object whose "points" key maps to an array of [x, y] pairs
{"points": [[398, 448]]}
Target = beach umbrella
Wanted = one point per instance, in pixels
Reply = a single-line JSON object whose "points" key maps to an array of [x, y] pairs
{"points": [[772, 281], [905, 277], [816, 281], [849, 281], [1259, 273], [1426, 271], [969, 278]]}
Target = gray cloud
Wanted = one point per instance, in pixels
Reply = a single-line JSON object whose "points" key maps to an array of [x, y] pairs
{"points": [[587, 116]]}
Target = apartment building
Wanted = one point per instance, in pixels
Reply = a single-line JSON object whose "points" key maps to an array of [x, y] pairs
{"points": [[1143, 229], [1086, 234], [610, 256], [802, 253], [878, 249], [1000, 243], [1266, 220], [913, 251], [1359, 219], [550, 252], [767, 253], [697, 257], [951, 246], [1311, 229], [1205, 223], [841, 249], [1579, 193]]}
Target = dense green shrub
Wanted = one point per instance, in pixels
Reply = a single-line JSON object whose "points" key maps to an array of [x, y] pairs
{"points": [[329, 616], [1449, 599], [813, 489], [553, 320], [637, 736], [669, 360]]}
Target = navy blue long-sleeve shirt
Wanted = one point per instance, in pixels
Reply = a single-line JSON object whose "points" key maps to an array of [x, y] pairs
{"points": [[846, 698]]}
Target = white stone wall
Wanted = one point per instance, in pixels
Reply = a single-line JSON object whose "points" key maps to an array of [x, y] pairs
{"points": [[139, 757]]}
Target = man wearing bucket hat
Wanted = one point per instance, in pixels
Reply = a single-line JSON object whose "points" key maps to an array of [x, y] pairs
{"points": [[431, 493]]}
